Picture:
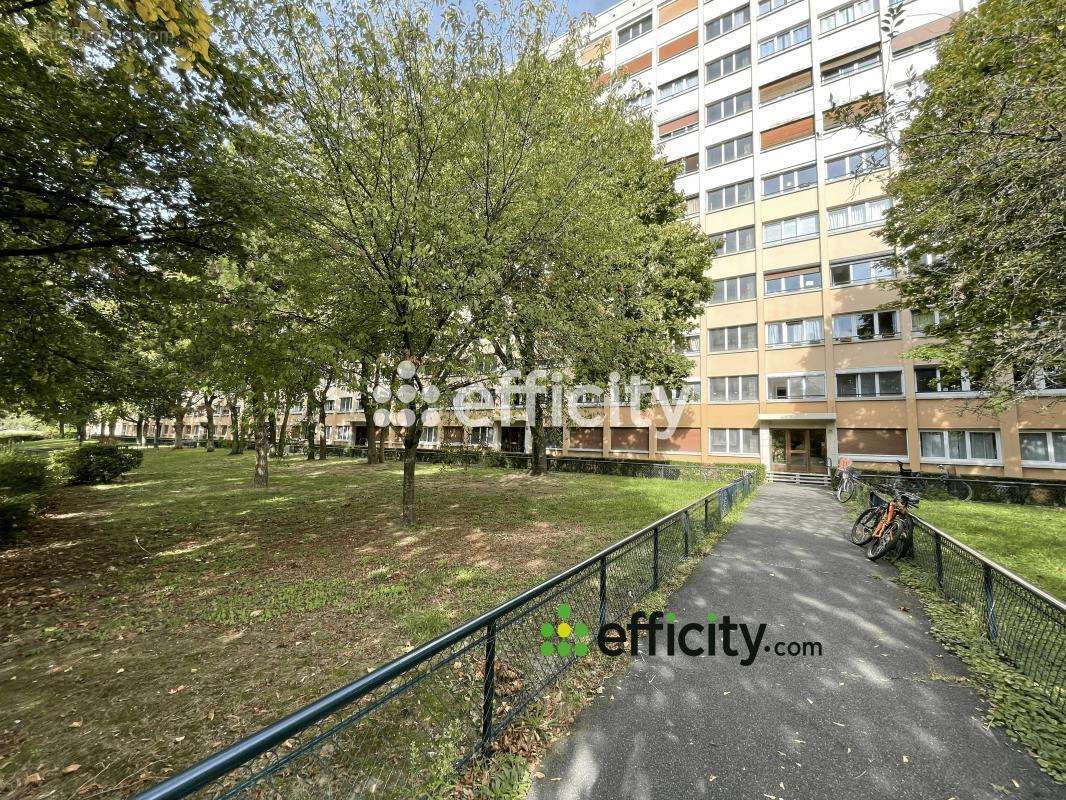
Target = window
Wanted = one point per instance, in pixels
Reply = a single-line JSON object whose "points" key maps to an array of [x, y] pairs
{"points": [[731, 150], [327, 431], [921, 321], [729, 290], [728, 107], [784, 40], [734, 389], [738, 441], [344, 433], [722, 25], [789, 229], [874, 444], [934, 380], [735, 337], [785, 87], [1043, 448], [692, 205], [679, 126], [736, 241], [689, 393], [797, 387], [589, 399], [728, 64], [634, 30], [766, 6], [845, 14], [429, 435], [329, 405], [865, 161], [851, 64], [887, 383], [793, 332], [866, 270], [866, 325], [690, 346], [346, 404], [735, 194], [794, 282], [687, 165], [679, 85], [793, 179], [959, 446], [481, 437], [858, 215], [641, 102]]}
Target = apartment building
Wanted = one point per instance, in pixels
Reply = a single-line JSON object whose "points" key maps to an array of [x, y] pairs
{"points": [[797, 361]]}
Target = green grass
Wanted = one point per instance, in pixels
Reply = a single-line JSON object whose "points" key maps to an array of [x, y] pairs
{"points": [[1028, 540], [145, 623]]}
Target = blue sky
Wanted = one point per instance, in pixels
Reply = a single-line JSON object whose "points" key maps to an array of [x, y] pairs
{"points": [[578, 7]]}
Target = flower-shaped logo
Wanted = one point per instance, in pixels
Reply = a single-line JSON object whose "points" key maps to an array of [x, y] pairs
{"points": [[564, 637]]}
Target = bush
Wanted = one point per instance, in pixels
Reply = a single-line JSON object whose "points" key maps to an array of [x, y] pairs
{"points": [[15, 512], [95, 463], [14, 437], [21, 472]]}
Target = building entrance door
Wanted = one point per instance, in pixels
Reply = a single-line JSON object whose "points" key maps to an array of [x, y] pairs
{"points": [[799, 450]]}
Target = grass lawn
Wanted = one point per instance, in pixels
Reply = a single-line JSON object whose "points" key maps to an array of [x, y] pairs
{"points": [[148, 622], [1028, 540]]}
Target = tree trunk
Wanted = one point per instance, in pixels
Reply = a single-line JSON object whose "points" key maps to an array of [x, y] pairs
{"points": [[111, 423], [179, 427], [262, 445], [62, 429], [234, 426], [81, 433], [322, 424], [280, 445], [383, 432], [309, 426], [410, 450], [371, 428], [539, 461], [140, 430], [158, 430], [209, 409], [272, 430]]}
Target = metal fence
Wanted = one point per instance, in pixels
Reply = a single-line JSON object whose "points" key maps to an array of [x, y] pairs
{"points": [[1025, 624], [407, 728]]}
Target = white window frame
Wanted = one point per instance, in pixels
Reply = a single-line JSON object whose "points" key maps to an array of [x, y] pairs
{"points": [[679, 85], [1049, 435], [691, 211], [744, 11], [689, 394], [794, 173], [876, 371], [775, 5], [804, 399], [807, 325], [851, 263], [737, 330], [803, 287], [488, 439], [730, 449], [736, 190], [638, 101], [784, 222], [946, 445], [732, 101], [735, 283], [867, 163], [791, 34], [692, 126], [637, 23], [877, 335], [917, 332], [751, 145], [852, 68], [882, 204], [731, 381], [724, 251], [731, 60], [688, 351], [840, 11], [964, 381]]}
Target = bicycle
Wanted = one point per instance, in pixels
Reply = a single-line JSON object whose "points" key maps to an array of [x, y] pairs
{"points": [[848, 484], [886, 528], [952, 486]]}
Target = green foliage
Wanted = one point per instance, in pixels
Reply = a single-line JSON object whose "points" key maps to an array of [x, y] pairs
{"points": [[1023, 707], [980, 186], [21, 472], [15, 512], [94, 463]]}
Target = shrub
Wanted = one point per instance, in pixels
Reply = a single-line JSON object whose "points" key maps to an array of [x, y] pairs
{"points": [[95, 463], [14, 437], [21, 472], [15, 512]]}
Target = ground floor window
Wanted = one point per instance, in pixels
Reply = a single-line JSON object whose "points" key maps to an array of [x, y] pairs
{"points": [[482, 436], [428, 435], [1043, 448], [960, 446], [737, 441]]}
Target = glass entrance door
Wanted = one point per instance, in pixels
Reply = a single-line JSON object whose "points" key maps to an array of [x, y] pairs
{"points": [[799, 450]]}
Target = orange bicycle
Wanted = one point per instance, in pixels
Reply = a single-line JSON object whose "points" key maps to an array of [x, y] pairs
{"points": [[886, 528]]}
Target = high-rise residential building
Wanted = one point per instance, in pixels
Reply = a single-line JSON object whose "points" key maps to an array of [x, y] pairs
{"points": [[797, 361]]}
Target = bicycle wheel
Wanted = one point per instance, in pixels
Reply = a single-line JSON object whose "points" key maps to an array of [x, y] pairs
{"points": [[846, 490], [863, 529], [960, 490], [884, 543]]}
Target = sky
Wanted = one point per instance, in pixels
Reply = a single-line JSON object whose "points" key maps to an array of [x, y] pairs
{"points": [[579, 7]]}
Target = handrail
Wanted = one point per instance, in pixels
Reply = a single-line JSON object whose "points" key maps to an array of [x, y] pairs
{"points": [[224, 761]]}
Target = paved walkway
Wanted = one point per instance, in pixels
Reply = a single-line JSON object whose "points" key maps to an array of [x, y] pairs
{"points": [[868, 719]]}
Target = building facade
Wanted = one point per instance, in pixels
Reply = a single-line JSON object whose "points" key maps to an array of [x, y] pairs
{"points": [[798, 360]]}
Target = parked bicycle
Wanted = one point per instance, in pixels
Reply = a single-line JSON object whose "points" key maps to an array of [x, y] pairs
{"points": [[847, 484], [945, 482], [886, 529]]}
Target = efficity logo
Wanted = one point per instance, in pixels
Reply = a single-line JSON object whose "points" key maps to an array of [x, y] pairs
{"points": [[666, 635]]}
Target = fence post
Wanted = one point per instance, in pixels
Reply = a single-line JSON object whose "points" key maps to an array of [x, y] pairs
{"points": [[603, 591], [706, 515], [990, 602], [489, 689], [655, 557], [938, 558], [686, 526]]}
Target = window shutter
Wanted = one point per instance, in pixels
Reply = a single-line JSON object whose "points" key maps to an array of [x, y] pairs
{"points": [[923, 33], [678, 123], [788, 85], [675, 9], [675, 47], [789, 132]]}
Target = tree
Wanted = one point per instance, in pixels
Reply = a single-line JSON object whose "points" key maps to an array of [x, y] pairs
{"points": [[977, 215]]}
